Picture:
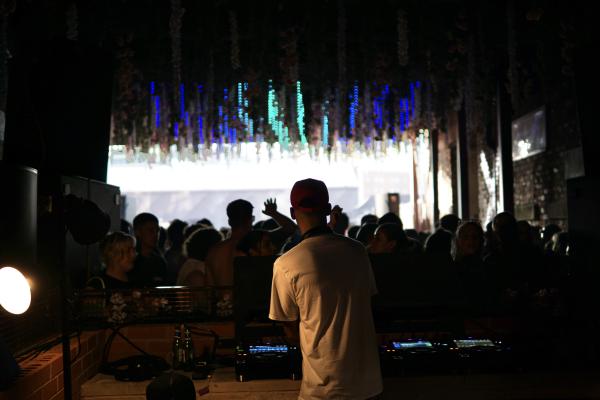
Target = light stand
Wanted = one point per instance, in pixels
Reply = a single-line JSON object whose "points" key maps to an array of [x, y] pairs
{"points": [[88, 224]]}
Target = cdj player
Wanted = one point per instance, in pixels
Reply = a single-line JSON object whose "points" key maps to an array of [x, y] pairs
{"points": [[402, 356], [481, 354], [263, 360]]}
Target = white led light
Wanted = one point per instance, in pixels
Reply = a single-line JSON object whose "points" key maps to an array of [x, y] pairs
{"points": [[15, 294]]}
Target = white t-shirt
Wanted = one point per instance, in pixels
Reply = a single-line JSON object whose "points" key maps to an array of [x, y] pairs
{"points": [[327, 282]]}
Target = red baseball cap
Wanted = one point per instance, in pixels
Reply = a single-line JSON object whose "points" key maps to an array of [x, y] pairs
{"points": [[309, 195]]}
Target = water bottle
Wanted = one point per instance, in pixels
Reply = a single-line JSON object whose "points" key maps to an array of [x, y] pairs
{"points": [[188, 350], [177, 349]]}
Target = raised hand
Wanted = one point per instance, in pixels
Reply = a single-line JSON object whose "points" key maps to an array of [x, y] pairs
{"points": [[336, 211], [270, 207]]}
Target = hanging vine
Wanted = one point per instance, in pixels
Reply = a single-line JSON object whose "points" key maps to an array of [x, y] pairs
{"points": [[513, 73], [235, 45], [175, 22], [402, 27]]}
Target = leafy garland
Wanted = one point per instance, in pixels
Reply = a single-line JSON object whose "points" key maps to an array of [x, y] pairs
{"points": [[512, 72], [7, 7], [235, 45], [402, 27]]}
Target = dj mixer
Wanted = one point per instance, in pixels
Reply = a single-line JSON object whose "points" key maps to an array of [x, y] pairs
{"points": [[265, 360]]}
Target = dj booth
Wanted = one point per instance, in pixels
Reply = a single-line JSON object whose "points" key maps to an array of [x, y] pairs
{"points": [[419, 314]]}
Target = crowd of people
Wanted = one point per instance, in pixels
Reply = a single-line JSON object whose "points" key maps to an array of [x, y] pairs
{"points": [[511, 255]]}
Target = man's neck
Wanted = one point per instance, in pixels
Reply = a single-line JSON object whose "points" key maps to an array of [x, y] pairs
{"points": [[306, 226]]}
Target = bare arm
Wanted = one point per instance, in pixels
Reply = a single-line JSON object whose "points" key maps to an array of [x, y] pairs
{"points": [[287, 225]]}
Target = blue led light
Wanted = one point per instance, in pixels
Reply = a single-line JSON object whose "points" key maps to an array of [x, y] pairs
{"points": [[187, 119], [412, 101], [157, 111], [353, 108], [201, 129], [151, 88], [176, 129]]}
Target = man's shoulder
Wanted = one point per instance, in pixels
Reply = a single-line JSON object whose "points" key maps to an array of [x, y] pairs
{"points": [[337, 240]]}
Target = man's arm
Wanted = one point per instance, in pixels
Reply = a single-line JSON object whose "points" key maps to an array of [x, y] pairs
{"points": [[287, 225], [336, 211]]}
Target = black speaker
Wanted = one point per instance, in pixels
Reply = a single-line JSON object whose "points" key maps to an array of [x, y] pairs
{"points": [[58, 109], [18, 216]]}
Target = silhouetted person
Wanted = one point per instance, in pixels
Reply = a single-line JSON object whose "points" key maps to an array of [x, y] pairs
{"points": [[507, 266], [206, 222], [150, 267], [390, 238], [190, 229], [366, 233], [467, 249], [439, 242], [174, 255], [126, 227], [368, 219], [162, 239], [220, 259], [353, 231], [118, 255], [196, 248], [341, 225], [389, 218], [257, 243], [450, 223]]}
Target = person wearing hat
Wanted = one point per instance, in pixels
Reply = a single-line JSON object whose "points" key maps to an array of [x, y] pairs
{"points": [[171, 386], [322, 291]]}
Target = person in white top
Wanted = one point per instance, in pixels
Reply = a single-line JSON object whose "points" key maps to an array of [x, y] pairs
{"points": [[322, 289]]}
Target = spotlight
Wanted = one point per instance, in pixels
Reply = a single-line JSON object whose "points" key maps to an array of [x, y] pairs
{"points": [[15, 293]]}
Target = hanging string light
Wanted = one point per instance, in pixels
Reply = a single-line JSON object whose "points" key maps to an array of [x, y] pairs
{"points": [[300, 110], [157, 111], [325, 130], [353, 108]]}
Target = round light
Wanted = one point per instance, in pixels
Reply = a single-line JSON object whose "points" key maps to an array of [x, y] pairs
{"points": [[15, 294]]}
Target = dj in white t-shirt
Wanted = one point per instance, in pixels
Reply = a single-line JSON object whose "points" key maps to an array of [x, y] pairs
{"points": [[326, 283]]}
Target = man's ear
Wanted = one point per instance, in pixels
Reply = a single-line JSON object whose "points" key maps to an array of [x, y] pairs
{"points": [[292, 213]]}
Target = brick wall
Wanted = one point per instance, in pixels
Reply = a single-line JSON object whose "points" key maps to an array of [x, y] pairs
{"points": [[42, 377]]}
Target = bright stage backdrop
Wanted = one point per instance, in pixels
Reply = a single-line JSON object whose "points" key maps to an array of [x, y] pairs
{"points": [[194, 185]]}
